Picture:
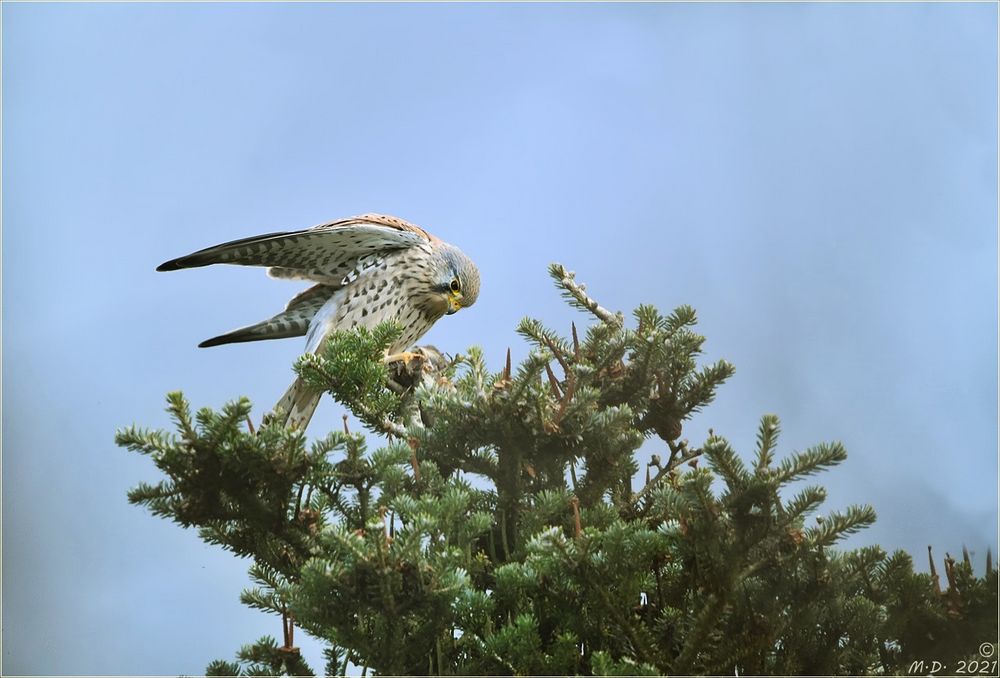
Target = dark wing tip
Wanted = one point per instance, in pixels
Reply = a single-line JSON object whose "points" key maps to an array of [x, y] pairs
{"points": [[188, 261], [245, 334], [172, 265], [216, 341]]}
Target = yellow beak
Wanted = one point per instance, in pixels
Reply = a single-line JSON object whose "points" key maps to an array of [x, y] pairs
{"points": [[454, 303]]}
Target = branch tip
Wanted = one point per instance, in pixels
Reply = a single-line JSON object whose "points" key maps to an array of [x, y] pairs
{"points": [[566, 280]]}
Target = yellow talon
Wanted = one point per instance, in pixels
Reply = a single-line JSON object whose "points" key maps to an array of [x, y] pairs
{"points": [[406, 357]]}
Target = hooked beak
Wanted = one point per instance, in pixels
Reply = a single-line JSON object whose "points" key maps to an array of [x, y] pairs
{"points": [[453, 305]]}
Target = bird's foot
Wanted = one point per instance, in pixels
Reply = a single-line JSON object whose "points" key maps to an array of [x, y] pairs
{"points": [[405, 357], [408, 368]]}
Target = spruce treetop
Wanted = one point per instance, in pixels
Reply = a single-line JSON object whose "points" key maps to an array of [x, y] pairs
{"points": [[505, 526]]}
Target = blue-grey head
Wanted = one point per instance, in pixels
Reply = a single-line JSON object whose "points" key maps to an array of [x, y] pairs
{"points": [[457, 278]]}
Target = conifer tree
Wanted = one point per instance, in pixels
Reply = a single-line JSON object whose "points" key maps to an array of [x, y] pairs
{"points": [[505, 526]]}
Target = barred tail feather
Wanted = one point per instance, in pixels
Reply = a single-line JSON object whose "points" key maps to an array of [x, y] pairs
{"points": [[292, 322], [296, 407]]}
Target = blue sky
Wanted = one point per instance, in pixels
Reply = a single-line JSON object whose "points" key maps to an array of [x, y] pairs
{"points": [[819, 181]]}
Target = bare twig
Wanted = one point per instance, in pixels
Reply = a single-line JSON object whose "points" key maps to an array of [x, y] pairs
{"points": [[382, 511], [559, 356], [570, 392], [675, 461], [392, 428], [553, 382], [949, 570], [298, 501], [286, 638], [577, 529], [934, 575], [413, 459], [675, 449], [396, 388]]}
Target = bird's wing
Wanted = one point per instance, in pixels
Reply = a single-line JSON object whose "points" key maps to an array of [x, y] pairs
{"points": [[323, 253], [292, 322]]}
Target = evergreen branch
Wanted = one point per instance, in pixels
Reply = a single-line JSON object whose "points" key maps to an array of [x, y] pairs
{"points": [[724, 460], [700, 388], [836, 526], [578, 297], [543, 337], [811, 461], [180, 412], [648, 319], [640, 644], [377, 420], [699, 635], [527, 374], [352, 369], [142, 440], [682, 316], [265, 575], [669, 503], [144, 493], [259, 599], [806, 501], [223, 668], [767, 437], [221, 426]]}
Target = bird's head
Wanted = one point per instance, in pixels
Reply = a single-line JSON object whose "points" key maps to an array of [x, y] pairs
{"points": [[457, 278]]}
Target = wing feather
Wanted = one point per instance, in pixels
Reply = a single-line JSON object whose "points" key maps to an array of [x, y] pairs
{"points": [[325, 252]]}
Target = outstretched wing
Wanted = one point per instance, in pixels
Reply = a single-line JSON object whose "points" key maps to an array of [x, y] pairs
{"points": [[324, 253], [292, 322]]}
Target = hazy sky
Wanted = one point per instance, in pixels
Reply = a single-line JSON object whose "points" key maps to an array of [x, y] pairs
{"points": [[819, 181]]}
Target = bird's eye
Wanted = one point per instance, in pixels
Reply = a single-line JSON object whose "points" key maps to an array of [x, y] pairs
{"points": [[455, 287]]}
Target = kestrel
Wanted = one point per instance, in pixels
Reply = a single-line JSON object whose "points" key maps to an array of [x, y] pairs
{"points": [[367, 269]]}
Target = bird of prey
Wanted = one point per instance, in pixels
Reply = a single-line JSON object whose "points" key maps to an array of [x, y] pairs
{"points": [[366, 269]]}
